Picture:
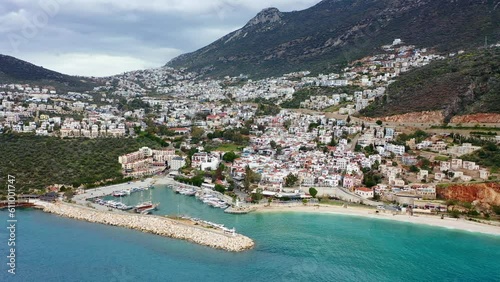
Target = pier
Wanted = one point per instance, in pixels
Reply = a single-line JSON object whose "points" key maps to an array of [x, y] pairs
{"points": [[17, 204]]}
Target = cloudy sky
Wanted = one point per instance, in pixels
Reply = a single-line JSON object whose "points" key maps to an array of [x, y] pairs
{"points": [[106, 37]]}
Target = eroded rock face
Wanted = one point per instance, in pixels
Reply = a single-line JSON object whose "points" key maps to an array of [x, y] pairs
{"points": [[484, 193], [477, 118], [416, 117]]}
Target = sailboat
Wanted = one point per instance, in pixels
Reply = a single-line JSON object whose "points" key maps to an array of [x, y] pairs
{"points": [[146, 207]]}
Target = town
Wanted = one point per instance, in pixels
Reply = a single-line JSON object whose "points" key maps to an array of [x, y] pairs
{"points": [[233, 134]]}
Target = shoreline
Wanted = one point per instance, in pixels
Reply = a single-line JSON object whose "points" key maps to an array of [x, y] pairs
{"points": [[420, 219]]}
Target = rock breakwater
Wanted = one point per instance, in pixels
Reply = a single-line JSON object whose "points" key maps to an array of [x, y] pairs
{"points": [[154, 224]]}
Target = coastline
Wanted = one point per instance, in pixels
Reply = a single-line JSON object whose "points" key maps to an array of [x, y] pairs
{"points": [[422, 219], [429, 220]]}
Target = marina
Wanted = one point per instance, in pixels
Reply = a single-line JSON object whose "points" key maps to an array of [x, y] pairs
{"points": [[197, 231], [207, 196]]}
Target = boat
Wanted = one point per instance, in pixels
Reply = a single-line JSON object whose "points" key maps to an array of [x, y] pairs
{"points": [[187, 192], [119, 193], [147, 211], [144, 205]]}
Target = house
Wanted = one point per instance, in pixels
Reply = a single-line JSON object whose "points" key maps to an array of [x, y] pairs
{"points": [[439, 176], [205, 161], [423, 174], [457, 174], [456, 163], [364, 192], [181, 130], [484, 174], [470, 165], [444, 166], [466, 178], [396, 149], [176, 163], [399, 182], [348, 182], [409, 160]]}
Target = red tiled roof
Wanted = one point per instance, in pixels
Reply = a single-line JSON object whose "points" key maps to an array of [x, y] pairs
{"points": [[364, 189]]}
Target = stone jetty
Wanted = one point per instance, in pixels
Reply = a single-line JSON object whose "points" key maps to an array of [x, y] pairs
{"points": [[153, 224]]}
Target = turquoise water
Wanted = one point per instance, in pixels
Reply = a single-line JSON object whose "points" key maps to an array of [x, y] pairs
{"points": [[289, 247]]}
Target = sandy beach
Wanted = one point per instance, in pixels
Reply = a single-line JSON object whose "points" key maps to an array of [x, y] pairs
{"points": [[449, 223]]}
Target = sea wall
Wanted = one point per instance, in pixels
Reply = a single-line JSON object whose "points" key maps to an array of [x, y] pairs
{"points": [[154, 224]]}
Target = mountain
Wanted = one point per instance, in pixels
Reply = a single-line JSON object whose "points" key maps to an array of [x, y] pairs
{"points": [[13, 70], [334, 32], [466, 84]]}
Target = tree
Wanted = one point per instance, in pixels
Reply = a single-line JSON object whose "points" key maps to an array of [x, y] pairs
{"points": [[313, 192], [348, 120], [291, 179], [250, 177], [414, 169], [230, 157], [278, 150], [257, 196], [197, 132], [218, 173], [287, 123], [378, 122], [273, 144], [69, 194], [333, 143], [220, 188]]}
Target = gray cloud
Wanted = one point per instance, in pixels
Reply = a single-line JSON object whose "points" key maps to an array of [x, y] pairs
{"points": [[105, 37]]}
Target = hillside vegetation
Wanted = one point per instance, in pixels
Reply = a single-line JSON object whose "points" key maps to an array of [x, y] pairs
{"points": [[336, 32], [488, 155], [466, 84], [37, 162], [13, 70]]}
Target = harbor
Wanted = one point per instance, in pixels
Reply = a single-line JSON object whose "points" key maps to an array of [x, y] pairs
{"points": [[197, 231], [205, 195], [123, 205]]}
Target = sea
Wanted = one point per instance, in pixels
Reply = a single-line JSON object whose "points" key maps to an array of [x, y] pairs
{"points": [[290, 246]]}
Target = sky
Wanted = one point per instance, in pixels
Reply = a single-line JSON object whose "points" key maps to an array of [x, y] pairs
{"points": [[107, 37]]}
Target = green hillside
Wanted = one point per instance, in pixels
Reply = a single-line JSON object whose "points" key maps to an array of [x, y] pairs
{"points": [[465, 84], [13, 70], [334, 33], [37, 162]]}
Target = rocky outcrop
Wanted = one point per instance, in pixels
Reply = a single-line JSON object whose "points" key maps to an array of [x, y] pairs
{"points": [[483, 193], [154, 224], [477, 118], [416, 117], [269, 15]]}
